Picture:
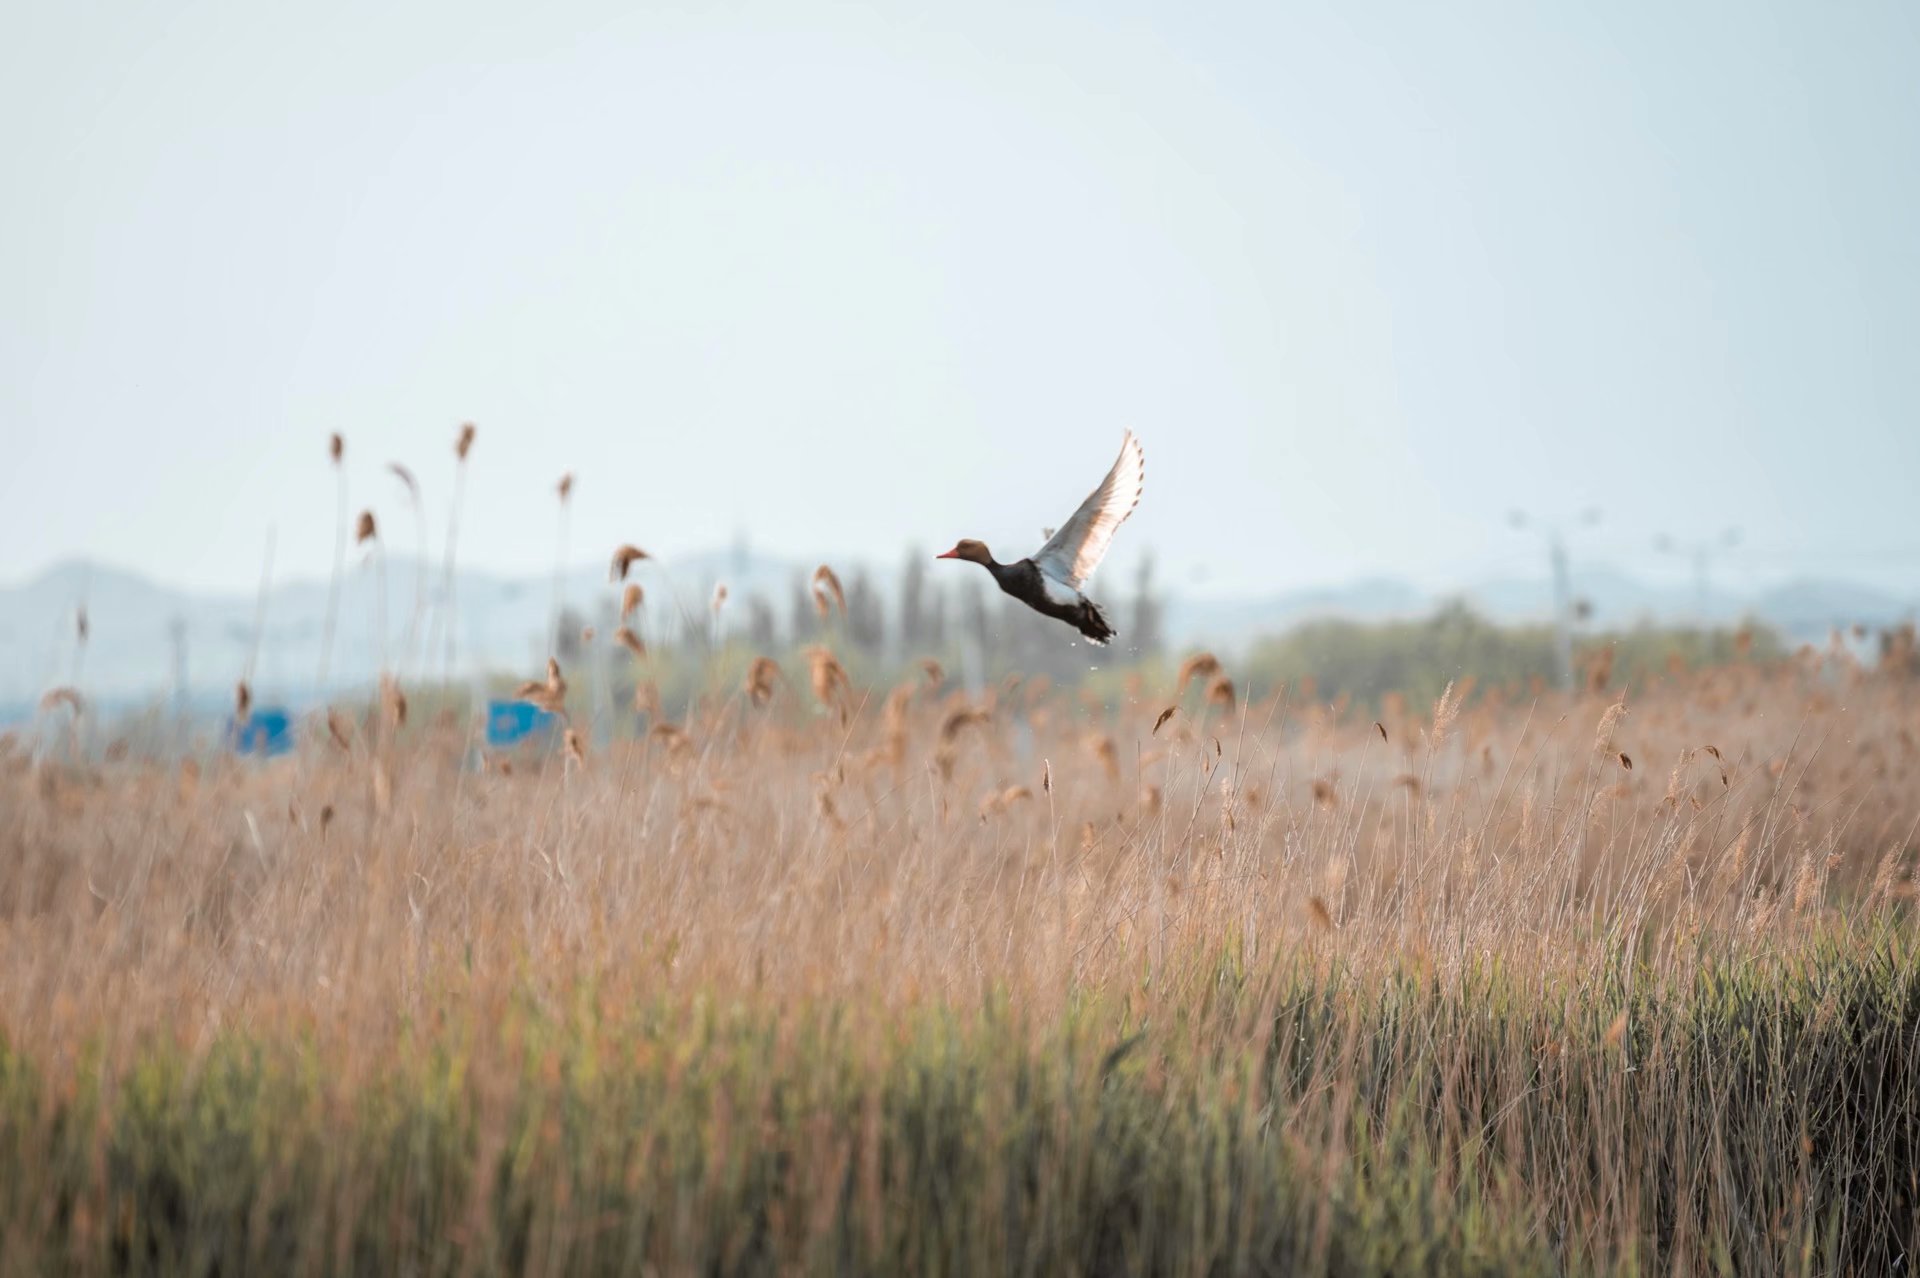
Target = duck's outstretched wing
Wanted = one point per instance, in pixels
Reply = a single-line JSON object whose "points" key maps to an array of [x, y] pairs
{"points": [[1072, 554]]}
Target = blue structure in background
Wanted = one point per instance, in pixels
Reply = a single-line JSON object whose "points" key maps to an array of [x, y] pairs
{"points": [[268, 731], [511, 722]]}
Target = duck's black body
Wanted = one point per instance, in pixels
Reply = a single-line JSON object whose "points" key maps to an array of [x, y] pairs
{"points": [[1024, 582]]}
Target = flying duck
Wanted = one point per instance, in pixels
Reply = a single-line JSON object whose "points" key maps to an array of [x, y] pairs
{"points": [[1050, 581]]}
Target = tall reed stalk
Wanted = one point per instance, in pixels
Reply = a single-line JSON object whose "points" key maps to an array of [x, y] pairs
{"points": [[336, 453], [448, 614], [417, 618], [564, 489]]}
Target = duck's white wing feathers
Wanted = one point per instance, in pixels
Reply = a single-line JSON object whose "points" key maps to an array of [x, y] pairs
{"points": [[1072, 554]]}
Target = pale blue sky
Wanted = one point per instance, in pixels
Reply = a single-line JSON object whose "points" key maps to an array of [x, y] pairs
{"points": [[857, 276]]}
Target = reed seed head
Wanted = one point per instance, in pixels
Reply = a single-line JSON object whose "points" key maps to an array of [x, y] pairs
{"points": [[54, 698], [407, 481], [393, 700], [624, 558], [826, 590], [762, 675], [1201, 665]]}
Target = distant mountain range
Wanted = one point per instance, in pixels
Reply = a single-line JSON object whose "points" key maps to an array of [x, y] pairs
{"points": [[1802, 608], [131, 652]]}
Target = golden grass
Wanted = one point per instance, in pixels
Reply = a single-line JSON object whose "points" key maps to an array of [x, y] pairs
{"points": [[1012, 847], [139, 898]]}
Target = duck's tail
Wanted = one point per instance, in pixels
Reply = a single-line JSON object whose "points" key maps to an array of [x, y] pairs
{"points": [[1092, 622]]}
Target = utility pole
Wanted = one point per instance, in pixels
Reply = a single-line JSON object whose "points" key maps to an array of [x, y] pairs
{"points": [[1562, 608], [1562, 586], [1701, 553]]}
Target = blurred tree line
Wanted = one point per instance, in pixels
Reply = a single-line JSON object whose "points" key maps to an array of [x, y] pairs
{"points": [[959, 617], [964, 618], [1364, 661], [980, 635]]}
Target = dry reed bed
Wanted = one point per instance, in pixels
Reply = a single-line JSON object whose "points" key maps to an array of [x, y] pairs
{"points": [[927, 845], [890, 980]]}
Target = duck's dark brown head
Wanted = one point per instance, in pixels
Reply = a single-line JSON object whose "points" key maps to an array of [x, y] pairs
{"points": [[975, 551]]}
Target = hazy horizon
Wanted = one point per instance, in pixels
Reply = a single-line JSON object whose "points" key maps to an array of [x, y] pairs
{"points": [[853, 281], [1659, 573]]}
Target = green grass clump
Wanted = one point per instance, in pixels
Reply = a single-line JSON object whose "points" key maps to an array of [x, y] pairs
{"points": [[1753, 1118]]}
